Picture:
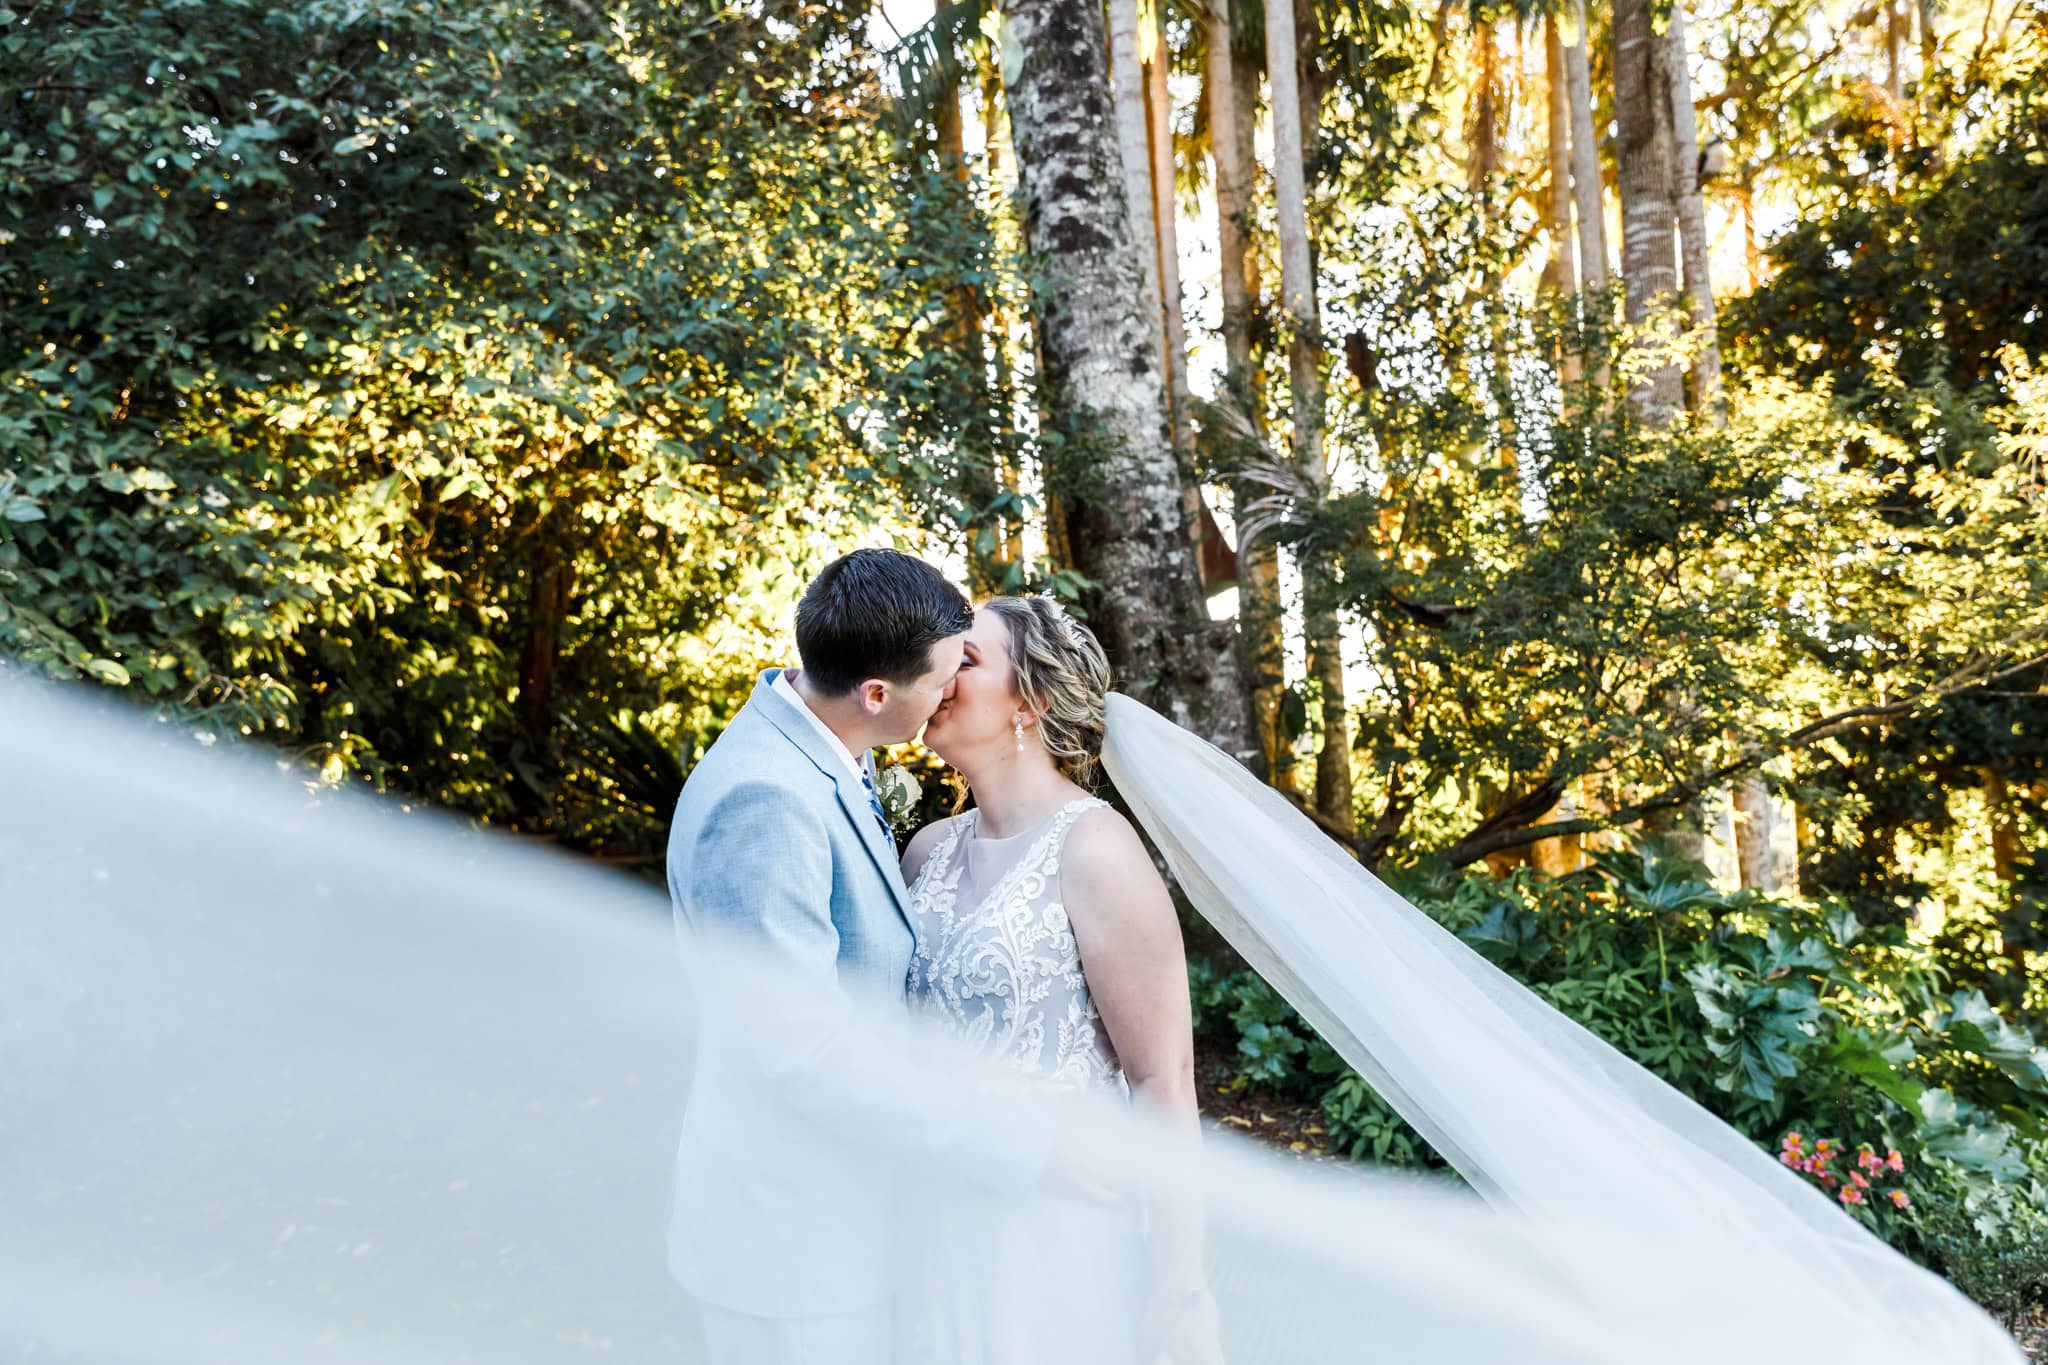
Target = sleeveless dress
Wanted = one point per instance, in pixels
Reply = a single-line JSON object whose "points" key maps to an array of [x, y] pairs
{"points": [[995, 959], [996, 964]]}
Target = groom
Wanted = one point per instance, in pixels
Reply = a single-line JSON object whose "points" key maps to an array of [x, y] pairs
{"points": [[781, 843]]}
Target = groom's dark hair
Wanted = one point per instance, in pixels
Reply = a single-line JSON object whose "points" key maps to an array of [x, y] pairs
{"points": [[875, 614]]}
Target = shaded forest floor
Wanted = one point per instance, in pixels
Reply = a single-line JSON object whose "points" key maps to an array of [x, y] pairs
{"points": [[1290, 1125], [2034, 1338], [1296, 1127]]}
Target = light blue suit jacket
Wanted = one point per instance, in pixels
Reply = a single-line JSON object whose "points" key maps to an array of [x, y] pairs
{"points": [[774, 844]]}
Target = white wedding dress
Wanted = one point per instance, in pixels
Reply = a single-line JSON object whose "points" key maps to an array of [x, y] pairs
{"points": [[996, 966]]}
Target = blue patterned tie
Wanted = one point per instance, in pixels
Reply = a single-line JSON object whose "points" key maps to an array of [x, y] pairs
{"points": [[875, 804]]}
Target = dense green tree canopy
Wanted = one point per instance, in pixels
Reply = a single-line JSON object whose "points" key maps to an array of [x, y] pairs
{"points": [[422, 384]]}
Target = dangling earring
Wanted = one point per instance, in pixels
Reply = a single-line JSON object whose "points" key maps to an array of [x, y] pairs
{"points": [[1017, 723]]}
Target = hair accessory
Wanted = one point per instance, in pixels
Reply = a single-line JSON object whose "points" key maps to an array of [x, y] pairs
{"points": [[1067, 623]]}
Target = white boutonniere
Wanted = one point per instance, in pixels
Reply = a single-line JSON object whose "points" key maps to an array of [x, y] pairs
{"points": [[900, 793]]}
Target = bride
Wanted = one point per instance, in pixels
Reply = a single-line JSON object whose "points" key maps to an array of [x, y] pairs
{"points": [[1046, 938]]}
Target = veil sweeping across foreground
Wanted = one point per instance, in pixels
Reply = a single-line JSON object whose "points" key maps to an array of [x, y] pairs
{"points": [[1540, 1115], [288, 1075]]}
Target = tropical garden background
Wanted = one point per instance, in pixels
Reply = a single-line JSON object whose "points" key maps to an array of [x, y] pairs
{"points": [[1594, 459]]}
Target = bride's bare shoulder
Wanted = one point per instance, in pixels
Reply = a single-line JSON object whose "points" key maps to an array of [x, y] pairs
{"points": [[1104, 843]]}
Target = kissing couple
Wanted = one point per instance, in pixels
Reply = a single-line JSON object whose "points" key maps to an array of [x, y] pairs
{"points": [[1034, 926]]}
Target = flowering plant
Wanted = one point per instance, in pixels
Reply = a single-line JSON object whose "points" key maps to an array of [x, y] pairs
{"points": [[1860, 1183]]}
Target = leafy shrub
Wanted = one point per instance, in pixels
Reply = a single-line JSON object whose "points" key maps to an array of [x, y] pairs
{"points": [[1785, 1017]]}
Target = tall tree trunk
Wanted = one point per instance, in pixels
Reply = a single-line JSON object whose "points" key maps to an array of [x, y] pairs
{"points": [[1260, 623], [1010, 474], [1752, 245], [1585, 156], [1166, 249], [1649, 264], [1927, 96], [1757, 813], [1101, 364], [1895, 51], [1758, 820], [2005, 842], [1134, 148], [1692, 216], [550, 580], [1559, 274], [1334, 797], [1483, 132], [2005, 856], [978, 475], [1483, 128], [1646, 148]]}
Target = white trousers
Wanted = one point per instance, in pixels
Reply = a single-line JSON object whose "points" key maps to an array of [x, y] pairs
{"points": [[731, 1338]]}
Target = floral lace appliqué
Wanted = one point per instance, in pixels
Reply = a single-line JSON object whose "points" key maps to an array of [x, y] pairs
{"points": [[1003, 971]]}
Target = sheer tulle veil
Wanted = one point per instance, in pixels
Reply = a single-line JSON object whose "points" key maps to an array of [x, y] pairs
{"points": [[293, 1074], [1536, 1113]]}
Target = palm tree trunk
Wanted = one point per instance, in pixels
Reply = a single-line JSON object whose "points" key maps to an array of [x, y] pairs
{"points": [[1559, 274], [978, 473], [1010, 475], [1304, 353], [1692, 216], [1895, 50], [1928, 129], [1259, 618], [1101, 368], [1166, 249], [1585, 157], [1649, 265], [1133, 140]]}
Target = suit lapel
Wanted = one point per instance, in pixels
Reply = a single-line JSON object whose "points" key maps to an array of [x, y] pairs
{"points": [[881, 846], [852, 796]]}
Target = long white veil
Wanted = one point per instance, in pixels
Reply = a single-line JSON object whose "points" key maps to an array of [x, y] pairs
{"points": [[293, 1075], [1535, 1112]]}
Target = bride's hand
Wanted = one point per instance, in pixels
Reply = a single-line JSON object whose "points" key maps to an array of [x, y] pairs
{"points": [[1183, 1329]]}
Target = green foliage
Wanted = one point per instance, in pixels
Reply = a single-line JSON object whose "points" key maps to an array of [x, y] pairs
{"points": [[1998, 1254], [418, 385], [1930, 283], [1558, 598], [1783, 1016]]}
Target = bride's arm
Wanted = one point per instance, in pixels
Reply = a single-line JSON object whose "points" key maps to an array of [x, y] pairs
{"points": [[1130, 945]]}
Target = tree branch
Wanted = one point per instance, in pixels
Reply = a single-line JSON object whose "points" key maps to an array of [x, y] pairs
{"points": [[1490, 837]]}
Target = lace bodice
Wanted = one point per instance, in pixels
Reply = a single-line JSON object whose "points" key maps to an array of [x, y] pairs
{"points": [[996, 959]]}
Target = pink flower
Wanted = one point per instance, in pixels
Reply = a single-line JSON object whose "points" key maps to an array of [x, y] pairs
{"points": [[1894, 1160], [1788, 1158], [1792, 1141], [1823, 1145], [1900, 1199], [1851, 1195], [1860, 1182], [1806, 1164]]}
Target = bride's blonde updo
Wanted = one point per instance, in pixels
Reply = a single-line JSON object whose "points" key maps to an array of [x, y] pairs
{"points": [[1060, 671]]}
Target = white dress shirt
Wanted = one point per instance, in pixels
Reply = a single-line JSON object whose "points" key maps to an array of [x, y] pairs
{"points": [[795, 698]]}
